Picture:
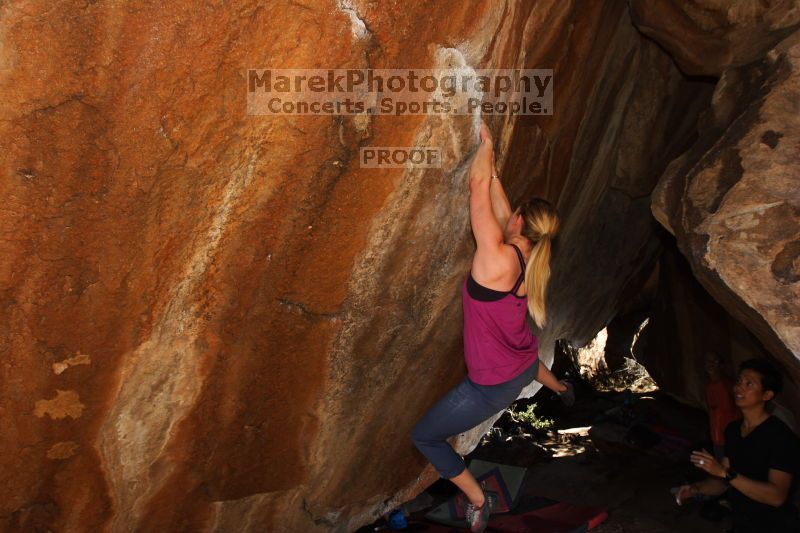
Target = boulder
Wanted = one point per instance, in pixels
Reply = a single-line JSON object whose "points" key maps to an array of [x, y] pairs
{"points": [[706, 37], [219, 322], [733, 202]]}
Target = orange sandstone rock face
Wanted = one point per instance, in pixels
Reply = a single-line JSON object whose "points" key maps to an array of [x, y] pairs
{"points": [[219, 322]]}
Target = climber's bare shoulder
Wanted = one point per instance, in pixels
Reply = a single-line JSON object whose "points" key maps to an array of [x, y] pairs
{"points": [[497, 269]]}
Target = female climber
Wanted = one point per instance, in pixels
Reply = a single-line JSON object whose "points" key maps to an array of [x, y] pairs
{"points": [[509, 275]]}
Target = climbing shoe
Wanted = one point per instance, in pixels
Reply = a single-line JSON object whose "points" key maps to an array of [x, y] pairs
{"points": [[478, 517]]}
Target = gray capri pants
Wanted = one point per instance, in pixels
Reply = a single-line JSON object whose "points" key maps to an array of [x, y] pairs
{"points": [[461, 409]]}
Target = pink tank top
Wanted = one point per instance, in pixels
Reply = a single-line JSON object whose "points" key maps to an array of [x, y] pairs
{"points": [[498, 344]]}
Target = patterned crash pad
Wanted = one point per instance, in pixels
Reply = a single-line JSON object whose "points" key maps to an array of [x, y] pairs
{"points": [[541, 515], [505, 480], [558, 517]]}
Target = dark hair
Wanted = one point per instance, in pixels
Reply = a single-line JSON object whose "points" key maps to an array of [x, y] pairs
{"points": [[770, 376]]}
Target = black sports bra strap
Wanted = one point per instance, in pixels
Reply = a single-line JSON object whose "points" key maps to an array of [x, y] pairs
{"points": [[521, 257], [521, 277], [517, 284]]}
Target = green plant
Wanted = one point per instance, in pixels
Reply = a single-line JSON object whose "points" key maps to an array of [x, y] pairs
{"points": [[529, 416]]}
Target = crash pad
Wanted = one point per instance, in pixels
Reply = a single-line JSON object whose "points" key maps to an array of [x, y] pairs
{"points": [[553, 517], [556, 518], [505, 480]]}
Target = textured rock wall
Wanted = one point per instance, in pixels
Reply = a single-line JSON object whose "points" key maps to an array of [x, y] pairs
{"points": [[685, 322], [233, 285], [215, 322], [705, 37], [733, 202]]}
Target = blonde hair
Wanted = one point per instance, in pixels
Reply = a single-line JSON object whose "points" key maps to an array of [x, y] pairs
{"points": [[541, 225]]}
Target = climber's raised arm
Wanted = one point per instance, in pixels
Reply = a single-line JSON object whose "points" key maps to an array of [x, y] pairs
{"points": [[485, 227], [500, 205]]}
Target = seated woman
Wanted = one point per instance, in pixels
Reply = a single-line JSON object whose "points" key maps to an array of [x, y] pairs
{"points": [[762, 458]]}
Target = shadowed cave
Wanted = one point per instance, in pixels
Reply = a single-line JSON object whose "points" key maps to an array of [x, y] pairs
{"points": [[215, 321]]}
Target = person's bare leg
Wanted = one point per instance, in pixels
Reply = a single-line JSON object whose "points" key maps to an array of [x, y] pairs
{"points": [[469, 486], [549, 380]]}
